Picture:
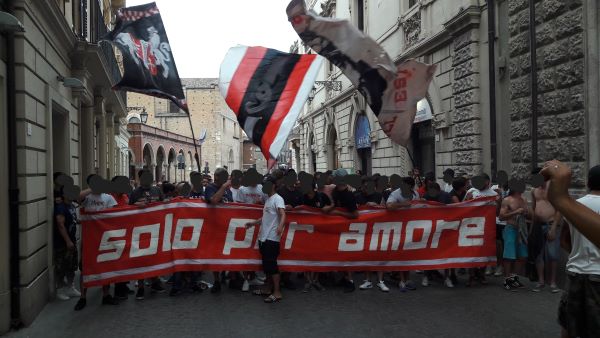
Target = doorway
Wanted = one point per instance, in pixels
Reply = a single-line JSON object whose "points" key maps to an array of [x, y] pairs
{"points": [[422, 148], [60, 141]]}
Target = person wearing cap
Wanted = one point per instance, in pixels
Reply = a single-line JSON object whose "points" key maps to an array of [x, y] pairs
{"points": [[579, 307], [343, 204]]}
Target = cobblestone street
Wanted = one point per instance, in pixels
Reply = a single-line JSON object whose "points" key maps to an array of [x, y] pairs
{"points": [[435, 311]]}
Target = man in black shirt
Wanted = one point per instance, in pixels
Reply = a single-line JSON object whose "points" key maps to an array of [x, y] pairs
{"points": [[367, 194], [292, 197], [346, 202]]}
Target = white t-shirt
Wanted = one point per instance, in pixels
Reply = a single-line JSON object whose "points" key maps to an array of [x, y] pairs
{"points": [[252, 195], [396, 196], [481, 193], [585, 256], [270, 219], [235, 193], [98, 202]]}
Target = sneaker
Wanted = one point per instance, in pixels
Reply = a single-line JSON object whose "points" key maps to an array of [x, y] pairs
{"points": [[256, 282], [509, 284], [80, 304], [410, 286], [318, 286], [307, 287], [366, 285], [488, 270], [216, 288], [554, 288], [140, 294], [246, 286], [499, 271], [72, 292], [349, 286], [402, 287], [109, 300], [517, 282], [425, 281], [61, 295], [448, 283], [538, 287], [381, 285], [156, 287]]}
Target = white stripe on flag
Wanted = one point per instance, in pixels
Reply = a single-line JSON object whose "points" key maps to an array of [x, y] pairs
{"points": [[299, 100], [230, 64], [285, 262]]}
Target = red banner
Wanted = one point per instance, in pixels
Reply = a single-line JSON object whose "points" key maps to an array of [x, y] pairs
{"points": [[130, 243]]}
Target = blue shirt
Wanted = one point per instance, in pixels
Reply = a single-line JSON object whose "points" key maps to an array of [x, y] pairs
{"points": [[212, 189]]}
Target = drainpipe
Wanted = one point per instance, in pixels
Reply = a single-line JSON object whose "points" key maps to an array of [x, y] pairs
{"points": [[13, 187], [491, 8], [534, 101]]}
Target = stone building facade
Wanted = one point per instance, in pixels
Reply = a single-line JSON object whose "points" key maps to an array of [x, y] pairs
{"points": [[566, 44], [60, 115], [211, 118]]}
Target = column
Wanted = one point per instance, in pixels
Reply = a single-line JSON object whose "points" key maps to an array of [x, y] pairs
{"points": [[110, 135], [87, 143], [102, 151]]}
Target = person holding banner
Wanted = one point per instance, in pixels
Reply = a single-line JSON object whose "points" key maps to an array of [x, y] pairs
{"points": [[271, 228], [215, 193]]}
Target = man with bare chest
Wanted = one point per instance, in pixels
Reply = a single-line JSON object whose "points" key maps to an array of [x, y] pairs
{"points": [[548, 218], [514, 211]]}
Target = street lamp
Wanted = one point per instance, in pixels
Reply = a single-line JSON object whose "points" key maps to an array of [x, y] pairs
{"points": [[144, 116]]}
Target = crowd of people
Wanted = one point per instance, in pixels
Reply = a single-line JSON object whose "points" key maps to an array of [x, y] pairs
{"points": [[528, 232]]}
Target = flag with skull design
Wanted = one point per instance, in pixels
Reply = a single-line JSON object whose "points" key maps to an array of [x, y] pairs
{"points": [[148, 63]]}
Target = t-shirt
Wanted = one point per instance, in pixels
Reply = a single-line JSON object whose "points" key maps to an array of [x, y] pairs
{"points": [[122, 199], [270, 219], [98, 202], [212, 189], [195, 194], [68, 212], [235, 192], [362, 199], [442, 197], [318, 200], [146, 194], [396, 196], [344, 199], [460, 197], [252, 195], [447, 187], [585, 256], [475, 193], [290, 197]]}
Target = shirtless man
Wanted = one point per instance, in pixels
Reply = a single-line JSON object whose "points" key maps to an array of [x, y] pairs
{"points": [[514, 211], [549, 219]]}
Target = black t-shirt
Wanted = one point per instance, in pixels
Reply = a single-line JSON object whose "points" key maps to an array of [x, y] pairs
{"points": [[362, 199], [70, 224], [146, 194], [291, 197], [344, 199], [319, 200], [442, 197], [460, 197], [212, 189]]}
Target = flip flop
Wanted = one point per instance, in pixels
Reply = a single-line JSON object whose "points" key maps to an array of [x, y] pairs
{"points": [[272, 299], [260, 292]]}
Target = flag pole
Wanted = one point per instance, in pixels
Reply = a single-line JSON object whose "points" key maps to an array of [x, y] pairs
{"points": [[197, 157]]}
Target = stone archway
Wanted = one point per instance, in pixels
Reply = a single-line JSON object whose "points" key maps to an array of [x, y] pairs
{"points": [[148, 156], [171, 166], [333, 159]]}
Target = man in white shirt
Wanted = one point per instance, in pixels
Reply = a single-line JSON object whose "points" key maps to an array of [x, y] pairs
{"points": [[271, 228], [579, 309]]}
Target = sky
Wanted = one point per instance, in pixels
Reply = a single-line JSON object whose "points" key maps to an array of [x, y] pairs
{"points": [[201, 31]]}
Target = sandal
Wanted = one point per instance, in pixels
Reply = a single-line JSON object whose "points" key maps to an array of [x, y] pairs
{"points": [[261, 292], [272, 299]]}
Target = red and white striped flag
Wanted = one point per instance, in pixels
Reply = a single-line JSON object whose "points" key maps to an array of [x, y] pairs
{"points": [[391, 92], [266, 89]]}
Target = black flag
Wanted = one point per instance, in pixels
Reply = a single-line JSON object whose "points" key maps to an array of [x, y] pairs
{"points": [[147, 59]]}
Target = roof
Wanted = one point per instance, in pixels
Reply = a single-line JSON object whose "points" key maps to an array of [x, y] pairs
{"points": [[200, 83]]}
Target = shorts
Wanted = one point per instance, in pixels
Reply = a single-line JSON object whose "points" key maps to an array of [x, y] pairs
{"points": [[513, 248], [551, 249], [499, 230], [269, 251], [579, 308]]}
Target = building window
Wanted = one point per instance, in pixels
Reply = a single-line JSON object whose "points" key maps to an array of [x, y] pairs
{"points": [[360, 14], [134, 119]]}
